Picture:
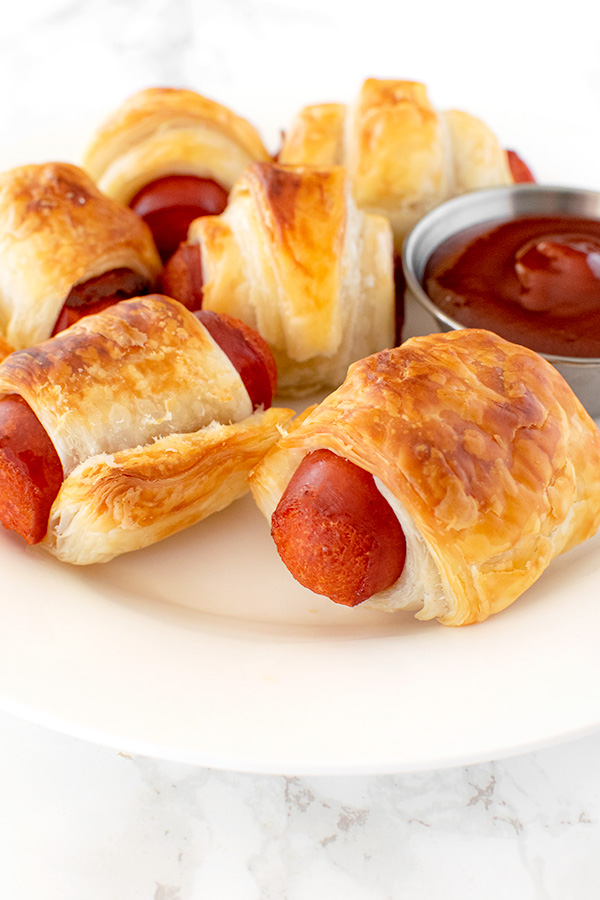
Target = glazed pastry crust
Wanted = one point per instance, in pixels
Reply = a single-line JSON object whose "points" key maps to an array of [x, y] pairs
{"points": [[396, 150], [5, 349], [151, 421], [403, 156], [478, 161], [317, 136], [58, 230], [491, 463], [124, 377], [170, 131], [293, 257]]}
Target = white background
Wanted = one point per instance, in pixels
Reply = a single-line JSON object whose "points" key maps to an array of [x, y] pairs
{"points": [[89, 822]]}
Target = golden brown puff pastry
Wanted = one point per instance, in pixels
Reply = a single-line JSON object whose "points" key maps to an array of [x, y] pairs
{"points": [[294, 258], [5, 349], [403, 156], [488, 459], [150, 419], [170, 131], [57, 230]]}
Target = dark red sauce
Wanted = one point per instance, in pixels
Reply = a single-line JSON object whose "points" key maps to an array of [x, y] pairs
{"points": [[534, 281]]}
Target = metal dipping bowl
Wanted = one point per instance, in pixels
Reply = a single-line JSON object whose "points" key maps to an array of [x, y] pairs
{"points": [[582, 373]]}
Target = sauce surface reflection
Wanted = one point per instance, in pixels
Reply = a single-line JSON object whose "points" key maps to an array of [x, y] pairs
{"points": [[533, 280]]}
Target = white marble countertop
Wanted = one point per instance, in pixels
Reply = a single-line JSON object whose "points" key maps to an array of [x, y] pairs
{"points": [[86, 821], [80, 821]]}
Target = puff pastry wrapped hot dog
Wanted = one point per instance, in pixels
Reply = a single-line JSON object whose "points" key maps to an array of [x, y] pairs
{"points": [[294, 258], [172, 155], [65, 250], [442, 477], [131, 425], [403, 156]]}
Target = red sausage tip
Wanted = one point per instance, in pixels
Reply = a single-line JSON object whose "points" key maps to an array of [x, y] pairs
{"points": [[336, 533], [248, 352]]}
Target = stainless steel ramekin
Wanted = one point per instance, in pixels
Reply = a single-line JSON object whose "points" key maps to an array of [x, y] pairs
{"points": [[582, 373]]}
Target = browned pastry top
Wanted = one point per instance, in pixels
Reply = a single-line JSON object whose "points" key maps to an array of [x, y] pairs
{"points": [[57, 230], [483, 443]]}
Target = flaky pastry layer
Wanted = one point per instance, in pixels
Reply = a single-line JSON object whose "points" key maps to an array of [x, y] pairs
{"points": [[403, 156], [488, 458], [58, 230], [293, 257], [150, 419], [113, 504], [139, 370], [170, 131]]}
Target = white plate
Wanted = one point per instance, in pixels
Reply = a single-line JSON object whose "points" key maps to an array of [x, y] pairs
{"points": [[203, 649]]}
